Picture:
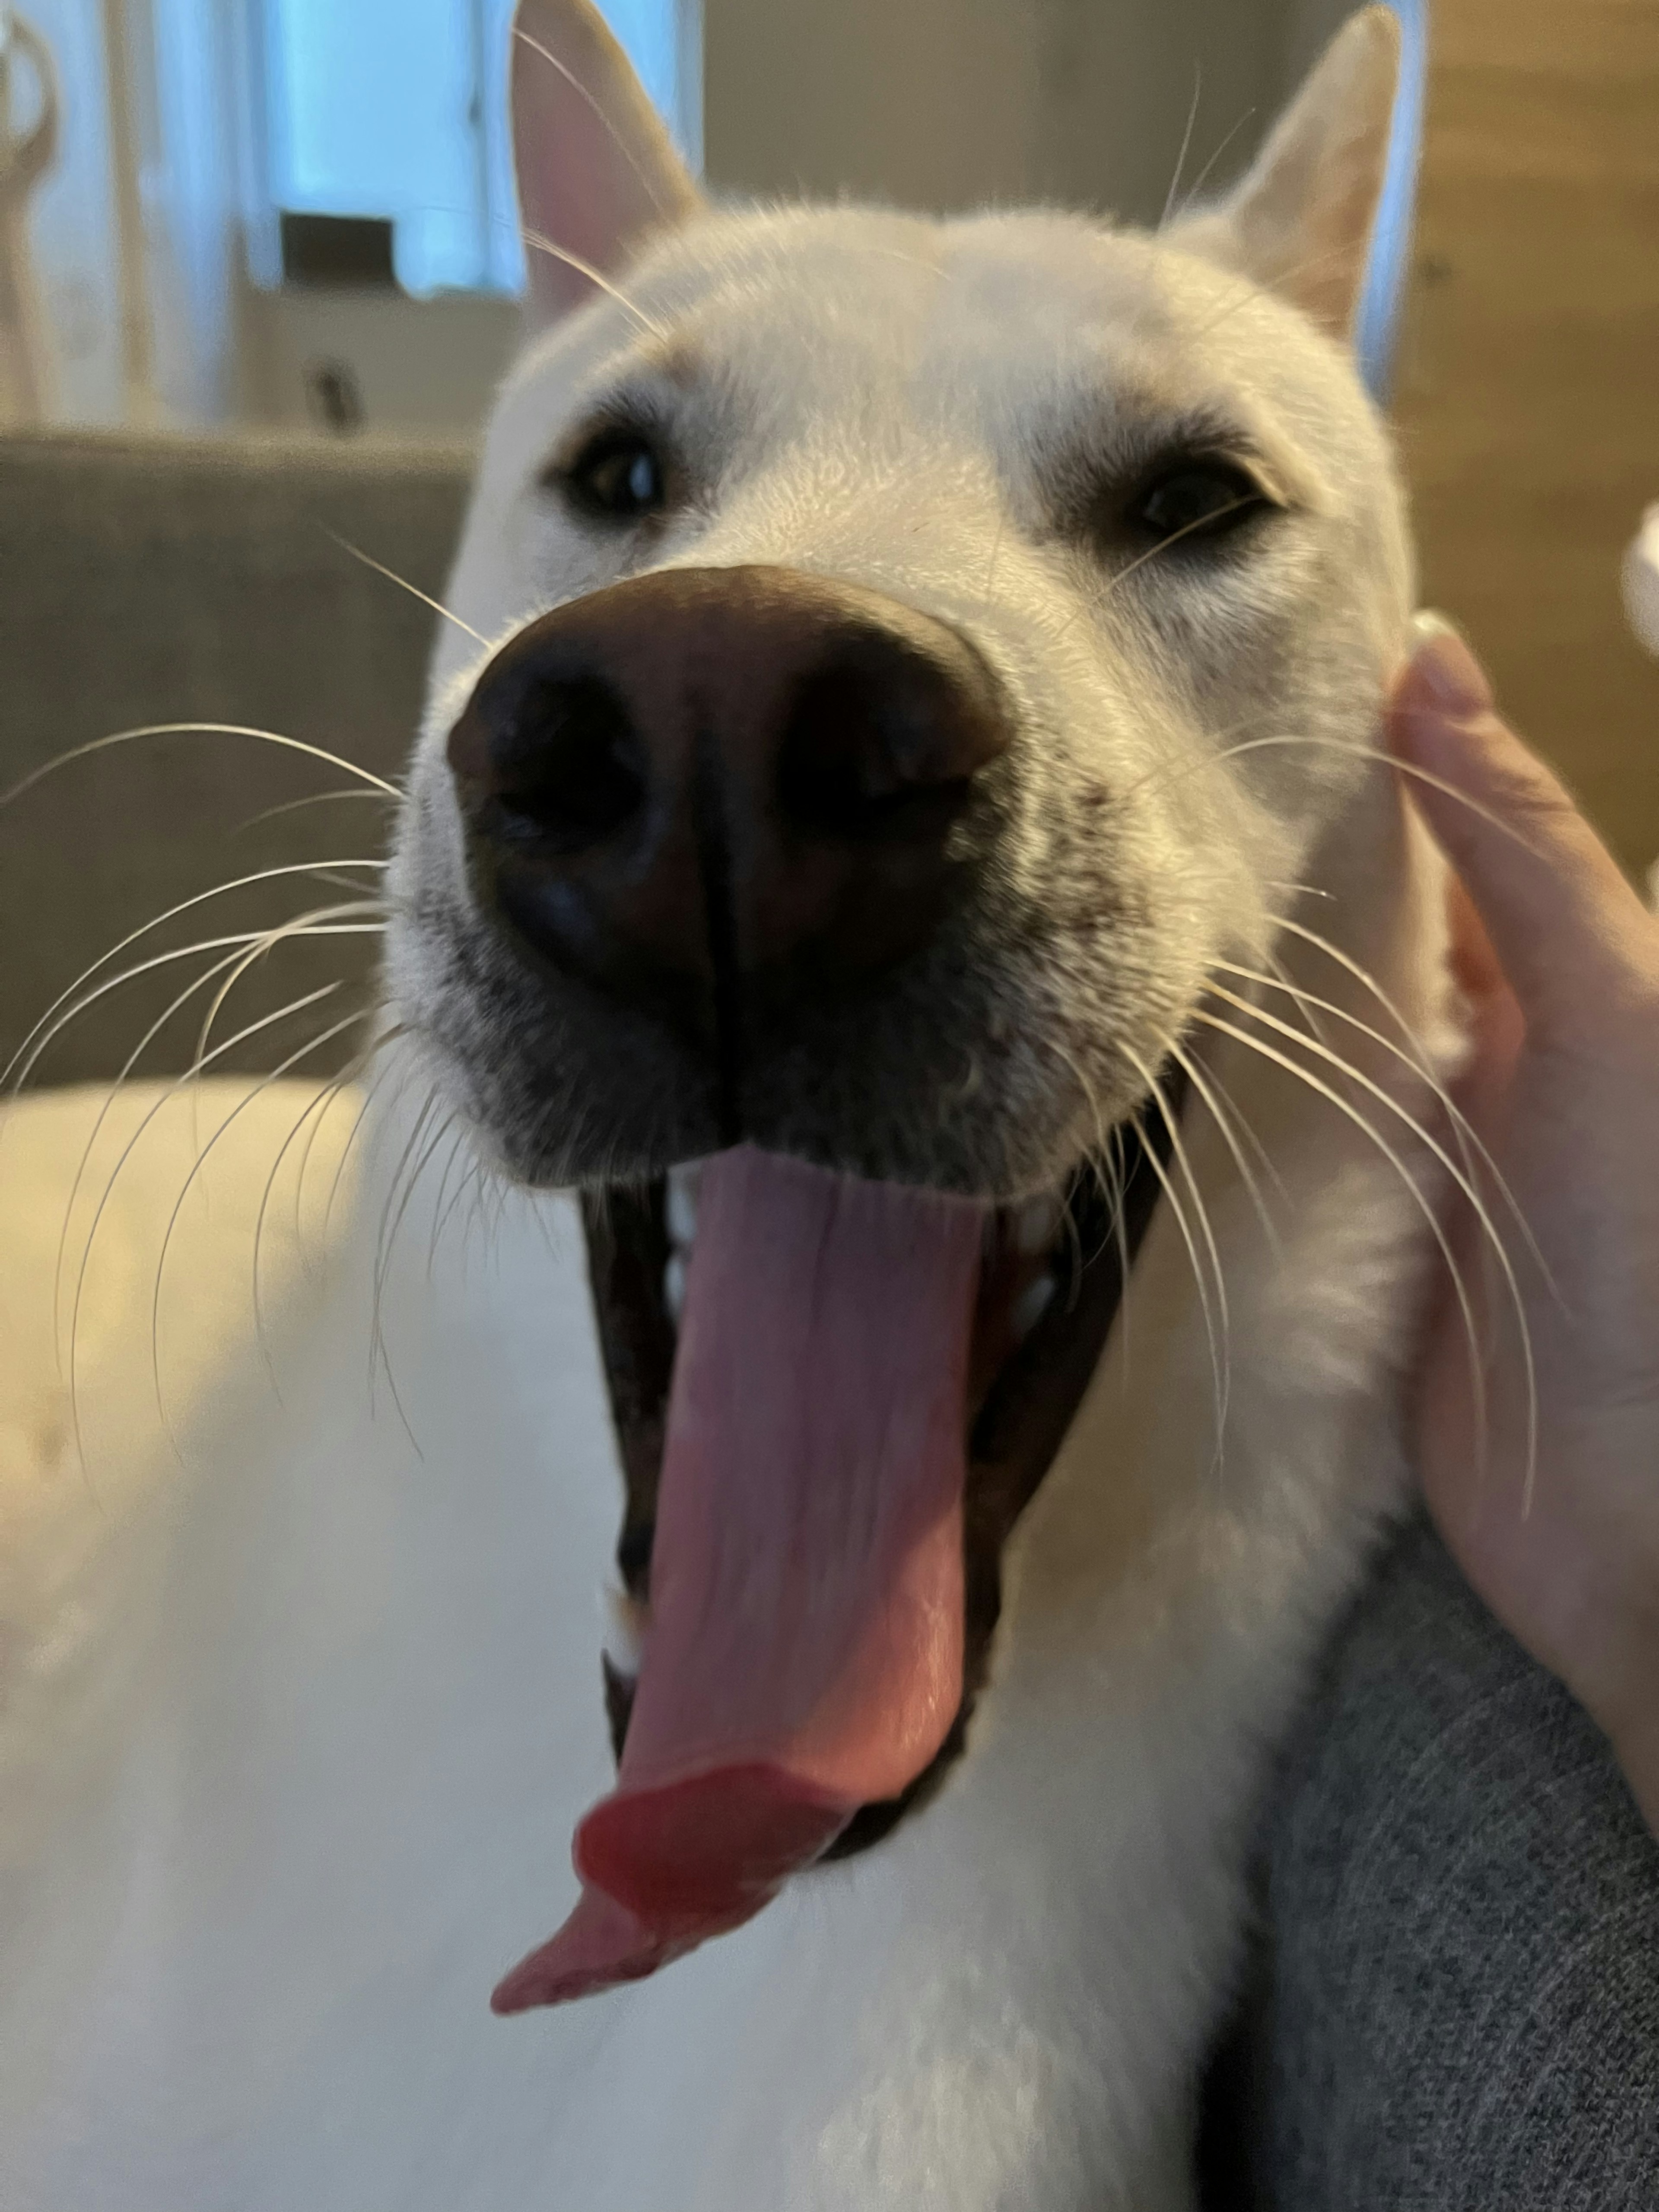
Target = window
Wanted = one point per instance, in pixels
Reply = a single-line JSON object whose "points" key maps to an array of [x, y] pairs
{"points": [[397, 109]]}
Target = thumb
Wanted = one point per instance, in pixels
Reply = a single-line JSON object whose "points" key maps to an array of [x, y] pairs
{"points": [[1551, 897]]}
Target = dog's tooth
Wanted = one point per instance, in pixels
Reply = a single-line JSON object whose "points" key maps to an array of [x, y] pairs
{"points": [[1030, 1305], [682, 1205], [673, 1284], [1037, 1225], [623, 1633]]}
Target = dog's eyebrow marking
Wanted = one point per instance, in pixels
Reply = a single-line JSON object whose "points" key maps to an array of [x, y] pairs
{"points": [[635, 403], [642, 384], [1120, 434], [676, 360], [539, 243]]}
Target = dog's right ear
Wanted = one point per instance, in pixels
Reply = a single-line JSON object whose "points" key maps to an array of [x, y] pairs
{"points": [[1300, 223], [597, 169]]}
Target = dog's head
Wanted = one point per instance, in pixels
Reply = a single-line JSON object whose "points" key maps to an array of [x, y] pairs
{"points": [[866, 722]]}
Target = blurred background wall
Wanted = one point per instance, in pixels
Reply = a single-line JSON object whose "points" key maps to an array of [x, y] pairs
{"points": [[950, 103]]}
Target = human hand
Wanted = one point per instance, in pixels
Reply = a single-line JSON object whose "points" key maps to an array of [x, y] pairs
{"points": [[1561, 962]]}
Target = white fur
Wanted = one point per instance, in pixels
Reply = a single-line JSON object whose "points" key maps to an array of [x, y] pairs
{"points": [[330, 1798]]}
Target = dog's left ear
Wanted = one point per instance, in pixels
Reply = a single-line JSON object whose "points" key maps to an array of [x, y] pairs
{"points": [[1301, 222], [597, 169]]}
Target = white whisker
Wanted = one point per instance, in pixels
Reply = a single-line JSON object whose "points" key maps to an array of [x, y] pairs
{"points": [[1464, 1183], [440, 1214], [534, 239], [1186, 147], [445, 1127], [305, 924], [378, 1353], [1092, 604], [1345, 1107], [1102, 1139], [299, 1005], [38, 775], [1281, 976], [133, 937], [315, 1112], [1214, 1095], [1222, 1366], [357, 1128], [1390, 760], [612, 131], [1470, 1144], [294, 1059], [197, 983], [404, 584], [315, 799], [363, 1060], [1204, 174]]}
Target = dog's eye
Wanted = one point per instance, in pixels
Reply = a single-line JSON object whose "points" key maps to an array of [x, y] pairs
{"points": [[1196, 499], [619, 477]]}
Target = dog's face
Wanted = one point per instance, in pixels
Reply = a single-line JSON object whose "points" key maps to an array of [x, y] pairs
{"points": [[962, 557], [893, 660]]}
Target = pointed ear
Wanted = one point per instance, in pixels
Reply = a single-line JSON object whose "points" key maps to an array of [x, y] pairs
{"points": [[1301, 222], [597, 169]]}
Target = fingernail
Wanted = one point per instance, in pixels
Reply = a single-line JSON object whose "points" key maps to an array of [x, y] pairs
{"points": [[1445, 667]]}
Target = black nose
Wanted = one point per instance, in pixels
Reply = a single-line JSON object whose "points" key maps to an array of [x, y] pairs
{"points": [[708, 780]]}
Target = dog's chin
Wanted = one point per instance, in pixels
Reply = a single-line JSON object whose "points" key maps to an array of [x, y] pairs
{"points": [[554, 1109], [1052, 1274]]}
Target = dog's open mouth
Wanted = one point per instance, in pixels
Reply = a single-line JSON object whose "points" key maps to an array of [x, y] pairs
{"points": [[834, 1399]]}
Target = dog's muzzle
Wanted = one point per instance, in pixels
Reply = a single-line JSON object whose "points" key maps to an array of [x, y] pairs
{"points": [[710, 792]]}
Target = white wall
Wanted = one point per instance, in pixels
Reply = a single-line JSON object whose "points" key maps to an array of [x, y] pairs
{"points": [[419, 367], [951, 103]]}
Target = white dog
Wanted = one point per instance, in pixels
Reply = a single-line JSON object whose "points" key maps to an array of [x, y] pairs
{"points": [[907, 739]]}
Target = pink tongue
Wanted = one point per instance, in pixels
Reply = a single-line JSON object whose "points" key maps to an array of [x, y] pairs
{"points": [[804, 1651]]}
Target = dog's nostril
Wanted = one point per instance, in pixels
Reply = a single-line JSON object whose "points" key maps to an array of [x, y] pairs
{"points": [[701, 791], [882, 744], [565, 765]]}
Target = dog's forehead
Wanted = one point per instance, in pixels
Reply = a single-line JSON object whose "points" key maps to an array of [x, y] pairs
{"points": [[839, 307], [986, 331]]}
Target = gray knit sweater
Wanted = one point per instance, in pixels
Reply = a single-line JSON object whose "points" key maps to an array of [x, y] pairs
{"points": [[1454, 2006]]}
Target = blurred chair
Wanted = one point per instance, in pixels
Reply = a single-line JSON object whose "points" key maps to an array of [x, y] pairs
{"points": [[152, 580]]}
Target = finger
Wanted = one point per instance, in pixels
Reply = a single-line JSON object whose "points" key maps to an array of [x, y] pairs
{"points": [[1560, 915]]}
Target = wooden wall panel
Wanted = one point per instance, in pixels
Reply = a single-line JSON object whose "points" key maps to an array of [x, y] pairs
{"points": [[1527, 395]]}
